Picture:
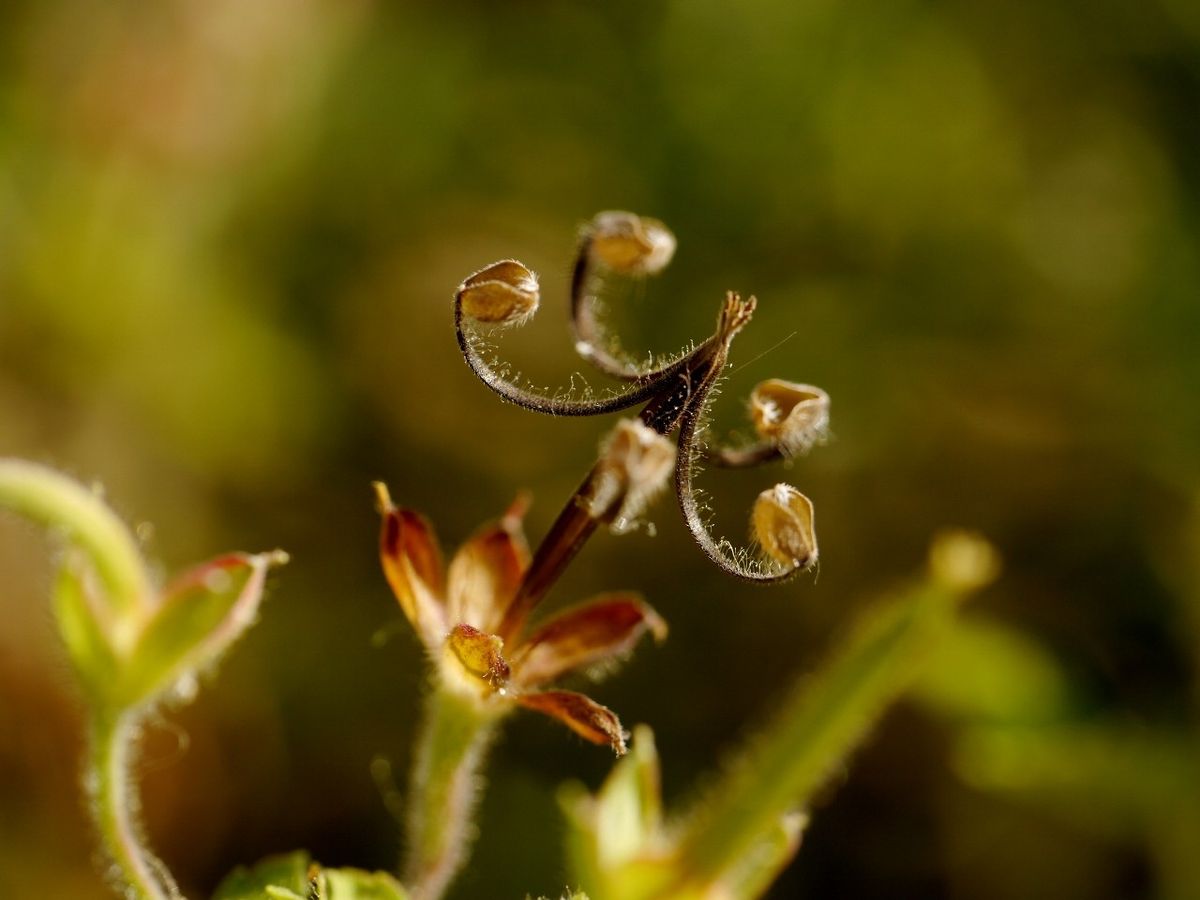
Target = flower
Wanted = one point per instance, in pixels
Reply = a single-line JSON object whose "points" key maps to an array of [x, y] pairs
{"points": [[458, 612]]}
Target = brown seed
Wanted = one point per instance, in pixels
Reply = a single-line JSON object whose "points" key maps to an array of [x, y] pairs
{"points": [[783, 525], [792, 416], [634, 466], [631, 244], [505, 293]]}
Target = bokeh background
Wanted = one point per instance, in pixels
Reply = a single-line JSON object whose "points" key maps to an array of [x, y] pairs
{"points": [[229, 233]]}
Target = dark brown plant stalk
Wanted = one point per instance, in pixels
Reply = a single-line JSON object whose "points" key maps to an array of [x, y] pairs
{"points": [[788, 418]]}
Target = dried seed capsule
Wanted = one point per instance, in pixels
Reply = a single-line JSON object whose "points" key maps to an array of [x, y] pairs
{"points": [[783, 525], [631, 244], [792, 416], [505, 293], [634, 465]]}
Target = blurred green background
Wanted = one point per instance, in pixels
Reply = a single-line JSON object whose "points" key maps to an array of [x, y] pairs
{"points": [[229, 234]]}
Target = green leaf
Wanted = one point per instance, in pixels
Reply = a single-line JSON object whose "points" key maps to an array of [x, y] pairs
{"points": [[296, 877], [989, 672], [87, 644], [1108, 777], [355, 884]]}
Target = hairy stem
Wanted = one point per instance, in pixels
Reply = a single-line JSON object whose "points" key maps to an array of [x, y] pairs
{"points": [[56, 501], [114, 804], [444, 789], [743, 457], [818, 727], [640, 390], [690, 420], [590, 340]]}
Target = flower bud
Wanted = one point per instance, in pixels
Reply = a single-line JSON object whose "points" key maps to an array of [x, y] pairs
{"points": [[635, 463], [631, 244], [963, 560], [505, 293], [794, 417], [783, 525]]}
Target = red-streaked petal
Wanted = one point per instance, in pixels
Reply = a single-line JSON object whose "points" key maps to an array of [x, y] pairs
{"points": [[581, 714], [486, 571], [412, 563], [593, 632]]}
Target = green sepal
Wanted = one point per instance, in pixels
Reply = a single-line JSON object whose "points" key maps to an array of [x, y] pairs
{"points": [[616, 843], [295, 876], [628, 810], [283, 873], [619, 848], [201, 613], [87, 645]]}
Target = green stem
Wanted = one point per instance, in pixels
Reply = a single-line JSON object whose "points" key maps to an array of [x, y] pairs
{"points": [[444, 789], [815, 730], [114, 803], [54, 500]]}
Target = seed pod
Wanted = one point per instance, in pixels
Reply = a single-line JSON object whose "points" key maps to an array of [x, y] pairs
{"points": [[783, 524], [792, 416], [634, 465], [505, 293], [630, 244]]}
